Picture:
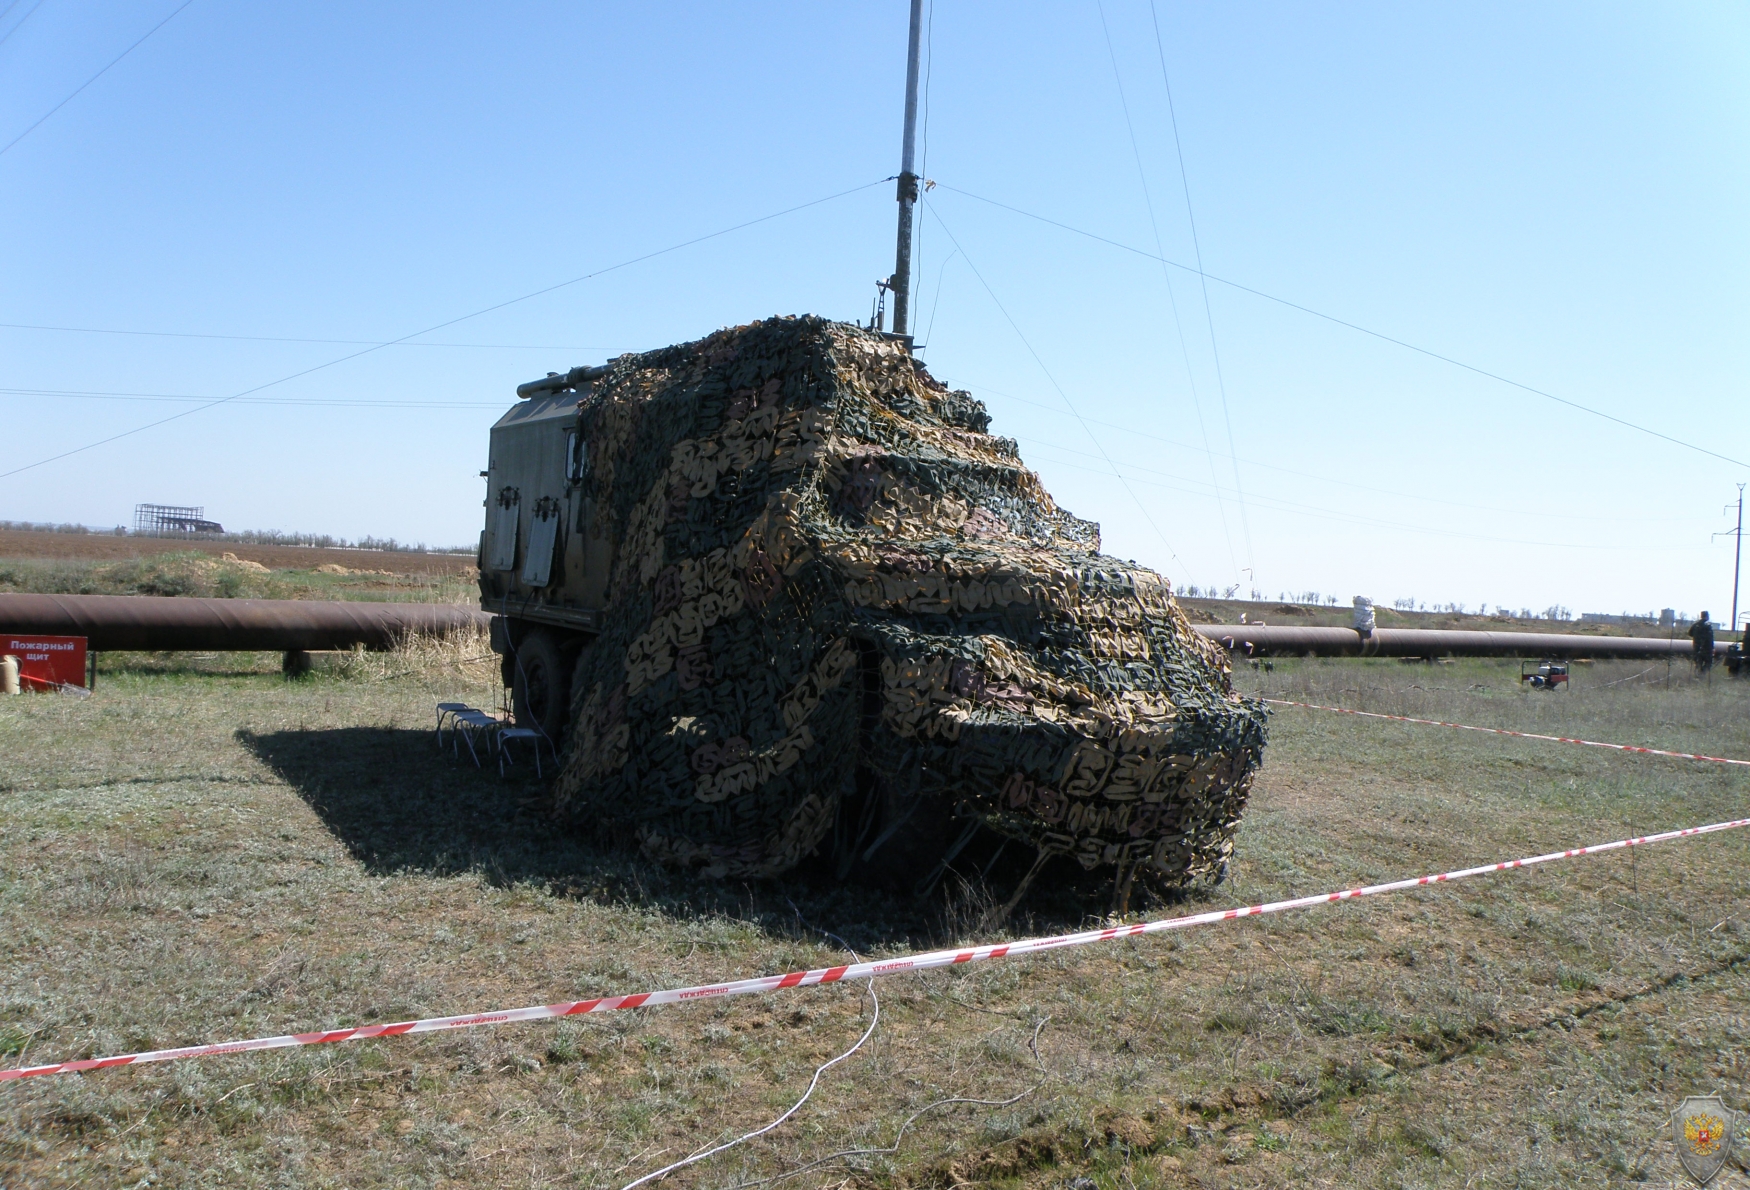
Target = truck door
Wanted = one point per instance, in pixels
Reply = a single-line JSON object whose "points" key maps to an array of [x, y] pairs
{"points": [[501, 529], [543, 536]]}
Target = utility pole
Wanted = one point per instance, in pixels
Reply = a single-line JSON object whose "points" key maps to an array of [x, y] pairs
{"points": [[1737, 557], [908, 180]]}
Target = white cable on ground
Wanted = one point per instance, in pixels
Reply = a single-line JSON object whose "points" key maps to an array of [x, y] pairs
{"points": [[874, 1020], [899, 1136]]}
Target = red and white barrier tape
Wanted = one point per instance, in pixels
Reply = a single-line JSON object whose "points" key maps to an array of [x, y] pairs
{"points": [[823, 975], [1524, 735]]}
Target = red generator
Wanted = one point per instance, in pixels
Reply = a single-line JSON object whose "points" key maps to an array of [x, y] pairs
{"points": [[1547, 676]]}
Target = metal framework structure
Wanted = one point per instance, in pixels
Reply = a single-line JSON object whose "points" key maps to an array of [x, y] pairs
{"points": [[172, 520]]}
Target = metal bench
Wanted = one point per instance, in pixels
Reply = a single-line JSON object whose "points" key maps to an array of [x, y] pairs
{"points": [[446, 713], [537, 738], [469, 725]]}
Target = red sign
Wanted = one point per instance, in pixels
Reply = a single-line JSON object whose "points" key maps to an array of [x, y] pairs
{"points": [[46, 662]]}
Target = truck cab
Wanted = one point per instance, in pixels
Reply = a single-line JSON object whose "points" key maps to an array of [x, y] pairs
{"points": [[541, 576]]}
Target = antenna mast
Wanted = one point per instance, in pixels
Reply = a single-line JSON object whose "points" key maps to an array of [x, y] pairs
{"points": [[908, 180], [1737, 557]]}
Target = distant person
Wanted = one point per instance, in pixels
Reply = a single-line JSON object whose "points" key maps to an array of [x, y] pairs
{"points": [[1702, 633]]}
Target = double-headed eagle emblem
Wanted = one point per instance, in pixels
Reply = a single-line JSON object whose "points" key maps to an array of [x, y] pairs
{"points": [[1702, 1128]]}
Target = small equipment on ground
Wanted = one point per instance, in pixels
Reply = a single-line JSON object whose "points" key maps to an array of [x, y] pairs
{"points": [[1547, 676]]}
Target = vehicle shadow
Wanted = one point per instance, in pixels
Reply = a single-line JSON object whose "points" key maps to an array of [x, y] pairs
{"points": [[400, 805]]}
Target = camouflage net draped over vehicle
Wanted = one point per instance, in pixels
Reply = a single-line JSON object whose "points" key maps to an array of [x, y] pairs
{"points": [[836, 598]]}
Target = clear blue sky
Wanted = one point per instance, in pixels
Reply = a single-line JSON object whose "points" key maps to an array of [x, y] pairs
{"points": [[1553, 193]]}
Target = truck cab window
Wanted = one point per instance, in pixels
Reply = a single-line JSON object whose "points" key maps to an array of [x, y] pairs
{"points": [[575, 460]]}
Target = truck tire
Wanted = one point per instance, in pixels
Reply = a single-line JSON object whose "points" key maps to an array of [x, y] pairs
{"points": [[541, 691]]}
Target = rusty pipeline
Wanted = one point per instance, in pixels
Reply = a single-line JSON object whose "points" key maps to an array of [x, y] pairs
{"points": [[157, 623], [113, 623], [1257, 640]]}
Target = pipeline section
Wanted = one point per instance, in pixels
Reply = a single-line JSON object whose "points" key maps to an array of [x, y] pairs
{"points": [[1258, 640], [113, 623], [147, 623]]}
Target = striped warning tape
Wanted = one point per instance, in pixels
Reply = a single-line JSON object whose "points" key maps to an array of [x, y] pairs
{"points": [[824, 975], [1524, 735]]}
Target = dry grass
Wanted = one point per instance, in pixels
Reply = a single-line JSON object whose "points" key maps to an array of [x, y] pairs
{"points": [[462, 662], [203, 850]]}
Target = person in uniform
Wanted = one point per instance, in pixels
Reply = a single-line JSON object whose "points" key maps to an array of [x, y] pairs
{"points": [[1702, 633]]}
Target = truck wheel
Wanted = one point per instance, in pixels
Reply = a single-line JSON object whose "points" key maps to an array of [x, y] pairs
{"points": [[541, 692]]}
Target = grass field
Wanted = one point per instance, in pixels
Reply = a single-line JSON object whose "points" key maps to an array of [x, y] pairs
{"points": [[203, 851], [229, 576], [106, 547]]}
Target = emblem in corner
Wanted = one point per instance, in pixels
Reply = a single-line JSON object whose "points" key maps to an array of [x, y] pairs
{"points": [[1702, 1128]]}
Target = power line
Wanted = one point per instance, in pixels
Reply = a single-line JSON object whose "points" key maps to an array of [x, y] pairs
{"points": [[1281, 301], [6, 36], [345, 402], [93, 330], [1173, 302], [1068, 404], [1208, 314], [440, 326], [1418, 497], [1333, 515], [81, 87], [936, 302]]}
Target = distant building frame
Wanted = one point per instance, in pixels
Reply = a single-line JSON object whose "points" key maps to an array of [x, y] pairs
{"points": [[172, 520]]}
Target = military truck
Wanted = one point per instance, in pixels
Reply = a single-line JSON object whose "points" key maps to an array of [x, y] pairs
{"points": [[540, 574], [779, 594]]}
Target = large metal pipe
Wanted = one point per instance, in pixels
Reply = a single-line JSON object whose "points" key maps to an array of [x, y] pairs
{"points": [[142, 622], [113, 623], [1257, 640]]}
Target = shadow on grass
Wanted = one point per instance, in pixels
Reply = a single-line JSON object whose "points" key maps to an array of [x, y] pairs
{"points": [[400, 805]]}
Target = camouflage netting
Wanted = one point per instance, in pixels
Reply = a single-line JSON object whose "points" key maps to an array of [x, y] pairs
{"points": [[836, 599]]}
